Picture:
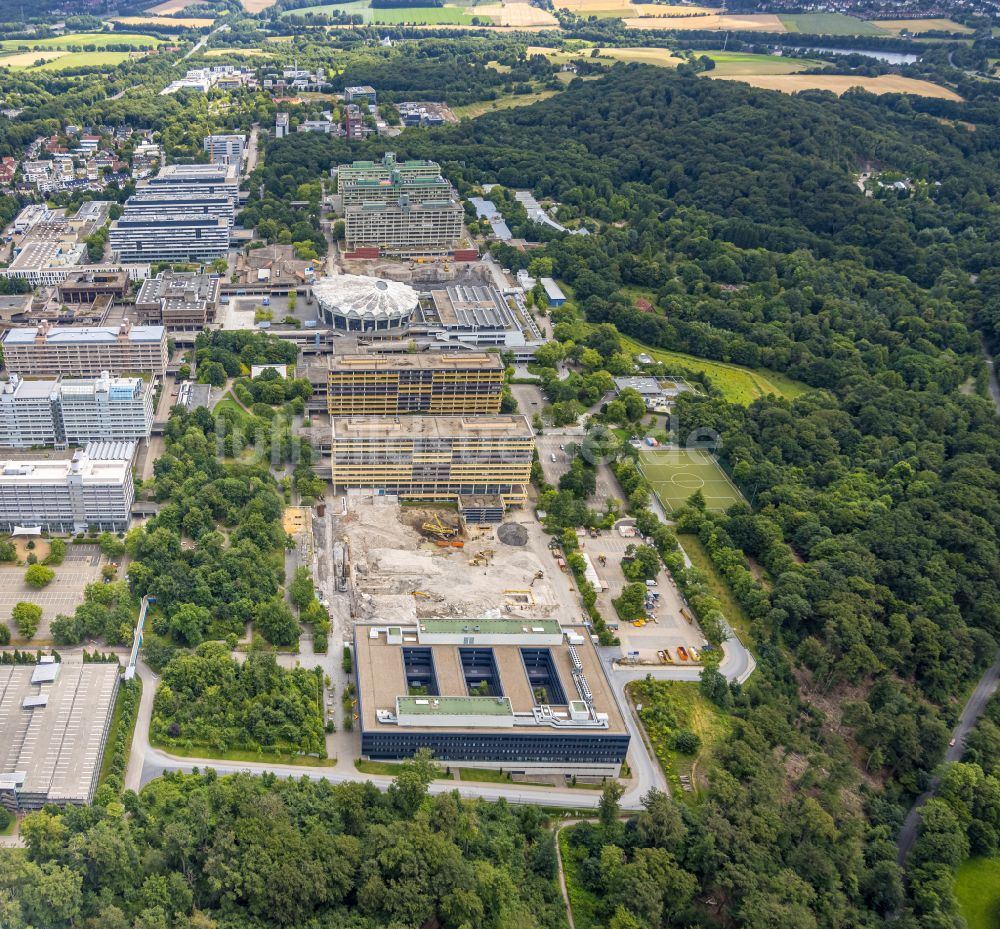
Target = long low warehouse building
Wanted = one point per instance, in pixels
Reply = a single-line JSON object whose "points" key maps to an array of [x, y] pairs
{"points": [[517, 694], [54, 721]]}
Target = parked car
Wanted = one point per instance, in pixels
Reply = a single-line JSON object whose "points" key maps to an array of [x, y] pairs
{"points": [[682, 653]]}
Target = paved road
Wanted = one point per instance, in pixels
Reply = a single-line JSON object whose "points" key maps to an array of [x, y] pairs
{"points": [[252, 150], [202, 42], [973, 710]]}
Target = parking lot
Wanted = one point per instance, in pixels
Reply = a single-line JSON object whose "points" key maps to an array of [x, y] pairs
{"points": [[669, 628], [82, 566], [548, 447], [529, 398]]}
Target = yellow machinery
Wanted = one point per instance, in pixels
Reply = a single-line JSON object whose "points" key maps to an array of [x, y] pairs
{"points": [[439, 529]]}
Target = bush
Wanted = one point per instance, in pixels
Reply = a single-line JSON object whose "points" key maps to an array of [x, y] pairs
{"points": [[57, 552], [5, 818], [26, 616], [38, 576], [685, 741], [4, 634], [347, 662], [320, 642]]}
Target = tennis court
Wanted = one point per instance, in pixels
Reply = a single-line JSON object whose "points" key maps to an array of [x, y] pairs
{"points": [[676, 473]]}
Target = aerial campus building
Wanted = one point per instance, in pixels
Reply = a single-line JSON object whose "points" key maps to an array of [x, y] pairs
{"points": [[515, 693], [442, 457], [388, 180], [74, 411], [54, 721], [195, 179], [429, 382], [383, 170], [226, 149], [181, 302], [356, 303], [85, 351], [152, 202], [176, 234], [93, 489], [403, 227]]}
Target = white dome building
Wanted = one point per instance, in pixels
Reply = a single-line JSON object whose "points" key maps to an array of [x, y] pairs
{"points": [[356, 303]]}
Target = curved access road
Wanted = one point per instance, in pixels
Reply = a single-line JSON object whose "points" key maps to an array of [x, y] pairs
{"points": [[970, 714], [147, 763]]}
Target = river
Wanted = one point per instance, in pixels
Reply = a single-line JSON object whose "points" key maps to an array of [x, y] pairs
{"points": [[893, 58]]}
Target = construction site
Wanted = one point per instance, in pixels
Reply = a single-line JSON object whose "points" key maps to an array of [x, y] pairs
{"points": [[401, 563]]}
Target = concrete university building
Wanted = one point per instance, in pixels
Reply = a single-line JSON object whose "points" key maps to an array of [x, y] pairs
{"points": [[440, 457], [92, 489], [429, 382], [54, 721], [403, 227], [518, 694], [74, 411], [169, 236], [85, 351], [388, 180], [181, 302], [226, 149]]}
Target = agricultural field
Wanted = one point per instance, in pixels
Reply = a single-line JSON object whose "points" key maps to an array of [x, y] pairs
{"points": [[28, 59], [516, 14], [737, 384], [81, 39], [828, 24], [480, 107], [728, 22], [181, 22], [58, 60], [676, 473], [733, 64], [237, 52], [662, 57], [922, 25], [606, 9], [422, 15], [171, 6], [841, 83], [255, 6], [977, 887]]}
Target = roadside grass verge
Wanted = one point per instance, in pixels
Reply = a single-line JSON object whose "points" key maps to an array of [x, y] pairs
{"points": [[207, 751], [389, 769], [717, 585], [977, 887]]}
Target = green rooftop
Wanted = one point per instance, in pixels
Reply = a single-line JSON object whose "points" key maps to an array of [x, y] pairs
{"points": [[491, 626], [454, 706]]}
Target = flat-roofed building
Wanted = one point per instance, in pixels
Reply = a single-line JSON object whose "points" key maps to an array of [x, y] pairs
{"points": [[519, 694], [85, 286], [382, 170], [416, 189], [195, 179], [226, 149], [155, 202], [93, 489], [433, 456], [104, 408], [85, 351], [54, 721], [429, 382], [29, 413], [403, 227], [172, 236], [178, 301]]}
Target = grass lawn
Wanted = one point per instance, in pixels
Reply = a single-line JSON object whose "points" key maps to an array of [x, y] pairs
{"points": [[668, 706], [977, 887], [676, 473], [388, 768], [491, 776], [717, 585], [116, 723], [923, 25], [9, 828], [582, 901], [206, 751], [829, 24], [79, 39], [738, 384], [481, 107], [229, 402]]}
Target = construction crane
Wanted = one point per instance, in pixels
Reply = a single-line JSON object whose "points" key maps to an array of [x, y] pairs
{"points": [[441, 530]]}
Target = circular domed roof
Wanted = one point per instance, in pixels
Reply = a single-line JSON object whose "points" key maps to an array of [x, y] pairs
{"points": [[358, 297]]}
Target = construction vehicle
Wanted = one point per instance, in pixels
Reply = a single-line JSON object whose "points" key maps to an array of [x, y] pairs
{"points": [[603, 559], [441, 530], [687, 615], [420, 593], [538, 576], [639, 623]]}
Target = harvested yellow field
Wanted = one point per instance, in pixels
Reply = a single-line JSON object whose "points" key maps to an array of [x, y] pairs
{"points": [[171, 6], [639, 9], [841, 83], [515, 14], [921, 25], [255, 6], [181, 22], [752, 22], [650, 56], [27, 59], [237, 52]]}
